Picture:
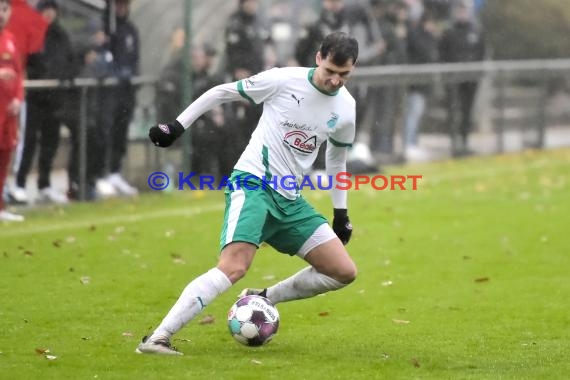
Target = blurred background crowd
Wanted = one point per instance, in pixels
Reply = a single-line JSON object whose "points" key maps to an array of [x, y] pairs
{"points": [[230, 40]]}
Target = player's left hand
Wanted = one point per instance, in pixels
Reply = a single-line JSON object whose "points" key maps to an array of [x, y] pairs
{"points": [[341, 225], [163, 135]]}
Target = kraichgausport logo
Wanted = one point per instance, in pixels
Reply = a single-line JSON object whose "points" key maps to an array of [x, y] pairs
{"points": [[301, 142], [164, 128]]}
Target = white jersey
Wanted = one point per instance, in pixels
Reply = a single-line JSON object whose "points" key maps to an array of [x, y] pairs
{"points": [[297, 118]]}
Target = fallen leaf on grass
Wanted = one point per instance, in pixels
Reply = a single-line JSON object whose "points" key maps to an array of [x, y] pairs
{"points": [[85, 280], [51, 357], [387, 283], [85, 338], [182, 340], [482, 279], [385, 355], [28, 253], [177, 259], [400, 321], [70, 239], [127, 334], [207, 320], [92, 227], [415, 362], [253, 361], [42, 351], [57, 243], [169, 233], [269, 277], [324, 314]]}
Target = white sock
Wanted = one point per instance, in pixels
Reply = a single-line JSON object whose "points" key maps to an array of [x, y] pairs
{"points": [[303, 284], [195, 297]]}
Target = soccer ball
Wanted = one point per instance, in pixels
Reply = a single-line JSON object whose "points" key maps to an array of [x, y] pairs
{"points": [[253, 320]]}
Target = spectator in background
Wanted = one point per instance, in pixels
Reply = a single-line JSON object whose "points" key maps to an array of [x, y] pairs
{"points": [[246, 40], [422, 49], [332, 18], [45, 107], [116, 119], [391, 18], [11, 97], [209, 153], [355, 20], [97, 62], [462, 42]]}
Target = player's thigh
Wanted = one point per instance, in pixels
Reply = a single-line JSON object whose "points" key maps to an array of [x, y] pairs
{"points": [[331, 258], [244, 217]]}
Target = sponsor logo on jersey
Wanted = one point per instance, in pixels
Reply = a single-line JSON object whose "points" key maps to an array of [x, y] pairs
{"points": [[301, 142], [300, 127], [333, 119]]}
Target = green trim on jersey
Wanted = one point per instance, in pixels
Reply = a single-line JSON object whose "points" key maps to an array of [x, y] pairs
{"points": [[310, 78], [243, 94], [339, 144], [265, 154]]}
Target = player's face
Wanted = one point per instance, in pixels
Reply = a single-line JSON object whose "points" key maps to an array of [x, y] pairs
{"points": [[5, 11], [329, 76]]}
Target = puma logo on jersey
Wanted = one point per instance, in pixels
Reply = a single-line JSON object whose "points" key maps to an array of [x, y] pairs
{"points": [[297, 99]]}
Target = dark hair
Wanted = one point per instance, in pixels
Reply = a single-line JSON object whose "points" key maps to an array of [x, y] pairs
{"points": [[47, 4], [341, 47], [9, 2]]}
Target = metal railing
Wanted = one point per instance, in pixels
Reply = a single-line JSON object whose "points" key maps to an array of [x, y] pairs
{"points": [[500, 71], [83, 84]]}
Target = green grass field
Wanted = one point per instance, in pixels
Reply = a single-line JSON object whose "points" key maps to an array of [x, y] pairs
{"points": [[466, 278]]}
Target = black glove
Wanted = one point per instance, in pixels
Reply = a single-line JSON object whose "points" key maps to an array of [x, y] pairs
{"points": [[164, 135], [341, 225]]}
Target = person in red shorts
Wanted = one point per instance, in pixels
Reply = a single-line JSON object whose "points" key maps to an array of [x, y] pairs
{"points": [[11, 96]]}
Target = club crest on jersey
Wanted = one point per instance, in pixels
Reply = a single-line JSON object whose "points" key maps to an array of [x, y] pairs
{"points": [[301, 142], [333, 120], [164, 128]]}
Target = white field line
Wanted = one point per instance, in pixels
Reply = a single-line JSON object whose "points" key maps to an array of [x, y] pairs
{"points": [[121, 219]]}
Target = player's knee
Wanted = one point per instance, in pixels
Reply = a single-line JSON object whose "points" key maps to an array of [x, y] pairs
{"points": [[346, 274], [234, 271]]}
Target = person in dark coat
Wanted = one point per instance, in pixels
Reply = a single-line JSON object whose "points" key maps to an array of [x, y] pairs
{"points": [[422, 49], [125, 51], [462, 42]]}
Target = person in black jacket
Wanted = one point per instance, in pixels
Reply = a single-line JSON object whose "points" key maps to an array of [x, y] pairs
{"points": [[125, 51], [422, 49], [462, 42], [45, 108], [246, 39], [209, 152]]}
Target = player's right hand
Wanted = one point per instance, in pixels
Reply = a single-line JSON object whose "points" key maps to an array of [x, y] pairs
{"points": [[163, 135]]}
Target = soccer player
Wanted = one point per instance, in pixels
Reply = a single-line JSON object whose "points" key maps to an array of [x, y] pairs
{"points": [[301, 108], [11, 96]]}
